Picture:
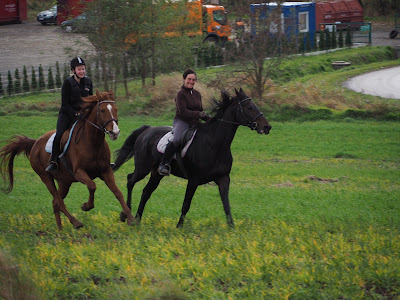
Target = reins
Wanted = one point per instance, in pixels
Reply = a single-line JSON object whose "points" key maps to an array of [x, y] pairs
{"points": [[252, 124]]}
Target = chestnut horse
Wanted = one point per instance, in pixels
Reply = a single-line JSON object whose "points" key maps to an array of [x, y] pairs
{"points": [[87, 156]]}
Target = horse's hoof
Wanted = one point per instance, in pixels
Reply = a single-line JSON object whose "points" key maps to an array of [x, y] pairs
{"points": [[122, 216], [86, 207], [77, 224], [130, 221], [136, 220]]}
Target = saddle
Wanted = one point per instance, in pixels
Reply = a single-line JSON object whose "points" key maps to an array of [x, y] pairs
{"points": [[49, 144], [186, 141]]}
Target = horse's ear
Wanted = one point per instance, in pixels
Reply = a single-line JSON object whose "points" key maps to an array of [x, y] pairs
{"points": [[241, 90], [98, 95], [111, 93], [236, 91]]}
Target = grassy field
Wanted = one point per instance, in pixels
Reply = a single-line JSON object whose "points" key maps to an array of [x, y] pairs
{"points": [[315, 205]]}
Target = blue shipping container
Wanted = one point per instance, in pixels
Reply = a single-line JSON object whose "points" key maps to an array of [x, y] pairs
{"points": [[296, 17]]}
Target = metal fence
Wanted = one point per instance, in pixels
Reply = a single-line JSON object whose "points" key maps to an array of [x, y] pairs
{"points": [[361, 33]]}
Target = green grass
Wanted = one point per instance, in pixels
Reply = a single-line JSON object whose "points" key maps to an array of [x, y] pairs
{"points": [[315, 206]]}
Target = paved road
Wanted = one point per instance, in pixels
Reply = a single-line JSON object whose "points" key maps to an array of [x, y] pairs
{"points": [[384, 83]]}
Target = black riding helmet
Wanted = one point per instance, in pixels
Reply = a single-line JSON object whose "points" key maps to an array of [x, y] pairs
{"points": [[77, 61]]}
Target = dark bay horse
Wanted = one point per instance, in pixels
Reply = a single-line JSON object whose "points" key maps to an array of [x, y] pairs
{"points": [[87, 157], [209, 158]]}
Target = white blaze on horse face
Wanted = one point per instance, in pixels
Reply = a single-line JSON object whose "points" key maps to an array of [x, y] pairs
{"points": [[115, 125]]}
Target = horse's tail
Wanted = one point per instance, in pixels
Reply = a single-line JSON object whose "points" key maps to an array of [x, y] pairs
{"points": [[126, 152], [14, 146]]}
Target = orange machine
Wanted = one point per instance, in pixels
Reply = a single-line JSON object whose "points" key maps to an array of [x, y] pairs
{"points": [[196, 19]]}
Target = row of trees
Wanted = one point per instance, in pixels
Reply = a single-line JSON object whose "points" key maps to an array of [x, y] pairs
{"points": [[37, 80], [324, 41], [33, 82]]}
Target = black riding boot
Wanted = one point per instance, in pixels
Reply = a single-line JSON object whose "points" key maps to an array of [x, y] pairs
{"points": [[53, 165], [165, 168]]}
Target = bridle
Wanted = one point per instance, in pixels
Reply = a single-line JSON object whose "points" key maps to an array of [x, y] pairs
{"points": [[251, 123], [103, 127]]}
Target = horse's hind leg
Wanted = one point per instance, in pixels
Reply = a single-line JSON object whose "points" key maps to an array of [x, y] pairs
{"points": [[58, 202], [150, 187], [190, 190]]}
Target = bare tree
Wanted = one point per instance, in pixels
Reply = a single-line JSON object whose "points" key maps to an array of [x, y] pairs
{"points": [[258, 52]]}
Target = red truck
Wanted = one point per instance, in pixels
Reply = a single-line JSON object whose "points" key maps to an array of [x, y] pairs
{"points": [[13, 11]]}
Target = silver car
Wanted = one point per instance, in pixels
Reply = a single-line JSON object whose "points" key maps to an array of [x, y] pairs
{"points": [[48, 16]]}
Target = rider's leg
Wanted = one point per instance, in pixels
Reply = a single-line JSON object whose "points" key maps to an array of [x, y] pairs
{"points": [[62, 125], [179, 127], [165, 168]]}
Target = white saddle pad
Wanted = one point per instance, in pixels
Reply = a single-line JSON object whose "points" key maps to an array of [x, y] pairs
{"points": [[168, 137]]}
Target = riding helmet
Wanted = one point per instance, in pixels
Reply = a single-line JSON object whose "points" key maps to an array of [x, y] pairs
{"points": [[77, 61]]}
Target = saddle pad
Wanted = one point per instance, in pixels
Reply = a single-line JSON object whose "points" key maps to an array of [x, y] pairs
{"points": [[168, 137], [49, 144]]}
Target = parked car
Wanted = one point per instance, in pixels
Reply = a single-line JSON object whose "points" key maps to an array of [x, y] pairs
{"points": [[78, 24], [48, 16]]}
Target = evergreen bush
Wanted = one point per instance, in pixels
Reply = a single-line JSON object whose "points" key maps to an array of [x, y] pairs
{"points": [[50, 80], [42, 84], [17, 82], [25, 82], [58, 76], [10, 86], [348, 42], [66, 72], [327, 39], [334, 41], [1, 87], [340, 39], [34, 84]]}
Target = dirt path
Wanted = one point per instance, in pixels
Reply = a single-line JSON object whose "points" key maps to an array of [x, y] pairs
{"points": [[384, 83], [30, 44]]}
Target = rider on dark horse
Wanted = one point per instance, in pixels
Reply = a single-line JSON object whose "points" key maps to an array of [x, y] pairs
{"points": [[74, 87], [189, 110]]}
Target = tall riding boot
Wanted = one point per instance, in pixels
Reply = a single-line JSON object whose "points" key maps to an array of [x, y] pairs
{"points": [[165, 168], [53, 164]]}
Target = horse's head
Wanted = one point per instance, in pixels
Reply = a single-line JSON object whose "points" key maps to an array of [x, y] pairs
{"points": [[107, 114], [249, 114]]}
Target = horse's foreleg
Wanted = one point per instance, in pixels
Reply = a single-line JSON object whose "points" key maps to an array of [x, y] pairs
{"points": [[58, 203], [109, 179], [83, 177], [190, 190], [223, 186]]}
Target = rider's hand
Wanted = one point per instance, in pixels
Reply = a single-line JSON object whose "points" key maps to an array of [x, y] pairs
{"points": [[203, 114]]}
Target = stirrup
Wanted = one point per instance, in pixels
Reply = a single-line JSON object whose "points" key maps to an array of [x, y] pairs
{"points": [[52, 167], [164, 169]]}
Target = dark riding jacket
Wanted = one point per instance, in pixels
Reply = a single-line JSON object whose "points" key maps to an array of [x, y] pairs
{"points": [[71, 94], [71, 101], [188, 105]]}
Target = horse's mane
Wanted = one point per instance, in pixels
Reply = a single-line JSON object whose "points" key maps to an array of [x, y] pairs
{"points": [[219, 106], [89, 102]]}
